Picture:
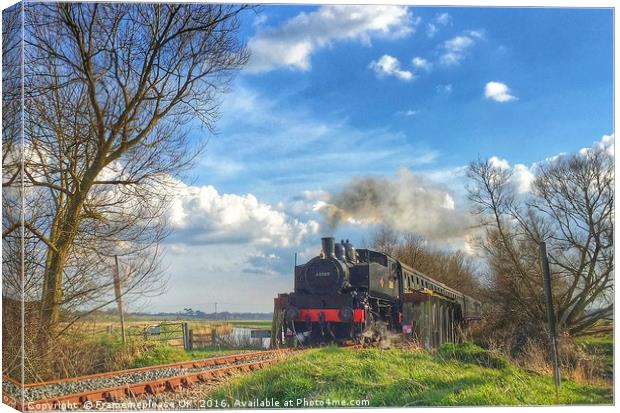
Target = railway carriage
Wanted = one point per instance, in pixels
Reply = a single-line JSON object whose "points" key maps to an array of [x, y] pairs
{"points": [[347, 294]]}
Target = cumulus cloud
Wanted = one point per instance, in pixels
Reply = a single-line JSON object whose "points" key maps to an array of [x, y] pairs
{"points": [[293, 42], [390, 66], [498, 92], [606, 143], [522, 178], [523, 175], [305, 203], [201, 215], [421, 63], [407, 202], [457, 48], [499, 163]]}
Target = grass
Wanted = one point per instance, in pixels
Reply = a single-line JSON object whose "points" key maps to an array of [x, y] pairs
{"points": [[164, 354], [92, 348], [140, 353], [462, 375], [253, 324], [601, 345]]}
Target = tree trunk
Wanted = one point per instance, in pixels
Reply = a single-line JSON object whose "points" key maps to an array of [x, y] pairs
{"points": [[51, 298]]}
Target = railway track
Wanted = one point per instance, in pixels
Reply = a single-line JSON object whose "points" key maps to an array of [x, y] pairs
{"points": [[114, 386]]}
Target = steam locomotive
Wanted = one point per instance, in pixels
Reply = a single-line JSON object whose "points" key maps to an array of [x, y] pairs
{"points": [[351, 295]]}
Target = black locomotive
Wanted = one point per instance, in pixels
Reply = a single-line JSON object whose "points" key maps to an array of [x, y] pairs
{"points": [[347, 294]]}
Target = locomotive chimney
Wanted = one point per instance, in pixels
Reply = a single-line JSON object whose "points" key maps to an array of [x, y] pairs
{"points": [[327, 244]]}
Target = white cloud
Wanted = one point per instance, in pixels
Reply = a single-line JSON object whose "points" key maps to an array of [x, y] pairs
{"points": [[390, 66], [523, 176], [421, 63], [457, 48], [499, 163], [292, 43], [201, 215], [498, 92], [605, 143]]}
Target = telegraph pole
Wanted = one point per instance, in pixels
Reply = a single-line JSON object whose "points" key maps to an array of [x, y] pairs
{"points": [[553, 342], [117, 293]]}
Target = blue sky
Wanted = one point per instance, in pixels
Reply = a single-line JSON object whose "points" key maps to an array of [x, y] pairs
{"points": [[558, 64], [332, 94]]}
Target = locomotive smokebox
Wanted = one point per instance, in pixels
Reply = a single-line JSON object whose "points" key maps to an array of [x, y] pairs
{"points": [[327, 243]]}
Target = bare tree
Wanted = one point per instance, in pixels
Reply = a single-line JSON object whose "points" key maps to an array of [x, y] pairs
{"points": [[110, 90], [570, 207], [12, 268], [454, 268]]}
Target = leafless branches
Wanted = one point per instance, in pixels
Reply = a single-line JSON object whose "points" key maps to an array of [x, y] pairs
{"points": [[570, 207], [454, 268], [110, 90]]}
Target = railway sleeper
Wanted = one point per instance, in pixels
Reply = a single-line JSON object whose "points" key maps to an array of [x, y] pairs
{"points": [[173, 384], [114, 395], [156, 387], [189, 380], [136, 390]]}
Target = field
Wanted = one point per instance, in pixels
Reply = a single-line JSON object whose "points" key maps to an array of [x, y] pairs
{"points": [[95, 346], [102, 321], [253, 324], [463, 375]]}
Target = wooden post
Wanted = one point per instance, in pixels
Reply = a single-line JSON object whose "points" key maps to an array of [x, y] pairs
{"points": [[213, 336], [276, 324], [553, 342], [119, 302], [187, 339]]}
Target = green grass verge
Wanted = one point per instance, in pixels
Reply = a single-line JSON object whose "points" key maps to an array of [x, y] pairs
{"points": [[601, 345], [454, 376], [165, 354], [140, 353]]}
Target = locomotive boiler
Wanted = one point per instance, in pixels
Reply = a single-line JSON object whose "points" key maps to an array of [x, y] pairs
{"points": [[350, 295]]}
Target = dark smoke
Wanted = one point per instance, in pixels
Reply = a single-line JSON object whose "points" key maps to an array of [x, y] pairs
{"points": [[407, 202]]}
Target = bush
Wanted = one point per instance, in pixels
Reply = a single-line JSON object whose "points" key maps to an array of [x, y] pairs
{"points": [[470, 353], [159, 353]]}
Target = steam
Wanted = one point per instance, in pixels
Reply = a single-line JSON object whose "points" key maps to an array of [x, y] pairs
{"points": [[407, 202]]}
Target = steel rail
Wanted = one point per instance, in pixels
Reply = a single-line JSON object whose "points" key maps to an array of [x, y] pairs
{"points": [[212, 361], [110, 394]]}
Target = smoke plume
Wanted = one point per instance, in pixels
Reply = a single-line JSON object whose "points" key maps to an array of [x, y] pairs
{"points": [[407, 202]]}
